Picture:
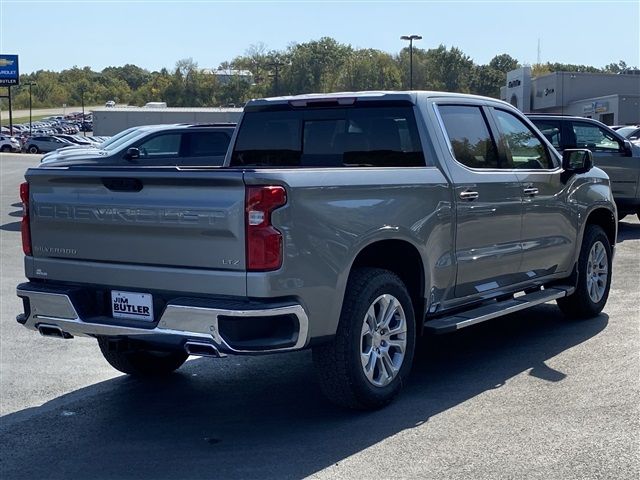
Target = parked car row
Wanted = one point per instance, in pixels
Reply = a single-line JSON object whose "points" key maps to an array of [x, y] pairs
{"points": [[69, 125], [50, 133], [50, 143]]}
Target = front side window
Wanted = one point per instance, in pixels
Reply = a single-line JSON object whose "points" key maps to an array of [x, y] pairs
{"points": [[594, 138], [167, 145], [345, 137], [524, 148], [469, 136]]}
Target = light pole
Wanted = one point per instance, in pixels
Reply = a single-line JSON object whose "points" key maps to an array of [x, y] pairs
{"points": [[30, 84], [82, 125], [411, 38]]}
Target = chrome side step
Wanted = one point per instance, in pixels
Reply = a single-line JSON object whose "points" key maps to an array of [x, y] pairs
{"points": [[494, 310]]}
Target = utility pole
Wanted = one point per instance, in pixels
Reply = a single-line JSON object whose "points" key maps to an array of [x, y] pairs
{"points": [[276, 65]]}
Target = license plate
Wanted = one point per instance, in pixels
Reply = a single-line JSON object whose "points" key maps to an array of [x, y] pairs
{"points": [[132, 305]]}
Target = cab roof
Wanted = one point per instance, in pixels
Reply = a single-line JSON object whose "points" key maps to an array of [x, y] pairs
{"points": [[348, 98]]}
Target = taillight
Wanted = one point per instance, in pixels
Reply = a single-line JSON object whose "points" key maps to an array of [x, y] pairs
{"points": [[24, 227], [264, 242]]}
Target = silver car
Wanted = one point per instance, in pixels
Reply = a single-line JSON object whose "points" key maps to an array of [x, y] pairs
{"points": [[9, 144], [45, 144]]}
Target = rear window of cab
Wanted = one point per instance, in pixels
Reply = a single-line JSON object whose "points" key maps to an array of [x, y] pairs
{"points": [[329, 137]]}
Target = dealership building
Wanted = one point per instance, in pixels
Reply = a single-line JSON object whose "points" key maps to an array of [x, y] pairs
{"points": [[613, 99], [109, 121]]}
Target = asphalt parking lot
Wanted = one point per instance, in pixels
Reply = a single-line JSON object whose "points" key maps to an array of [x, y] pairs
{"points": [[526, 396]]}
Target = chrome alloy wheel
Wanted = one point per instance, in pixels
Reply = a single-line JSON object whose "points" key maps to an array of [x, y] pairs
{"points": [[383, 340], [597, 272]]}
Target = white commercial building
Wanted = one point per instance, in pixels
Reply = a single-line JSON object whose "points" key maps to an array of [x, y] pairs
{"points": [[614, 99]]}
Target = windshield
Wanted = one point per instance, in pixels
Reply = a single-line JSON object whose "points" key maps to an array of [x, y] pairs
{"points": [[119, 135], [627, 131], [122, 138]]}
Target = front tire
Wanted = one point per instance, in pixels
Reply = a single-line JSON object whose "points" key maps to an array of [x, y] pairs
{"points": [[142, 362], [5, 149], [594, 276], [369, 359], [33, 149]]}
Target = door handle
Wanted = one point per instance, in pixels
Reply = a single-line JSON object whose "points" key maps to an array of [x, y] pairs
{"points": [[122, 184], [468, 195], [533, 191]]}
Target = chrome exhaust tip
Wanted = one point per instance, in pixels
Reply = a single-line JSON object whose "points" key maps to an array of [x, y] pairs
{"points": [[202, 349], [53, 331]]}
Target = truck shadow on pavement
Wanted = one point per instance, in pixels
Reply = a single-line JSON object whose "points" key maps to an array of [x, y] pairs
{"points": [[13, 226], [264, 417], [628, 231]]}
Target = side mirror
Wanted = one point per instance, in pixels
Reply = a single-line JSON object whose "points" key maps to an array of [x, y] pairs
{"points": [[577, 160], [628, 149], [132, 153]]}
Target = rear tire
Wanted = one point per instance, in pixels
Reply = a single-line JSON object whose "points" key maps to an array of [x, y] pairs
{"points": [[594, 276], [369, 359], [33, 149], [142, 362]]}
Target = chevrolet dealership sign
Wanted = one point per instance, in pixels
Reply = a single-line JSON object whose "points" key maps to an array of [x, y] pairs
{"points": [[9, 74]]}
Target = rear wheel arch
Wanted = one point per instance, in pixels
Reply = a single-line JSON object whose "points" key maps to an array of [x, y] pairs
{"points": [[402, 258]]}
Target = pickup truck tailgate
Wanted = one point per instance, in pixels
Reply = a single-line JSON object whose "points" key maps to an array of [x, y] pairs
{"points": [[156, 217]]}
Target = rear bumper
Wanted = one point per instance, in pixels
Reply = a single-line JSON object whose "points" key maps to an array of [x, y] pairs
{"points": [[55, 308]]}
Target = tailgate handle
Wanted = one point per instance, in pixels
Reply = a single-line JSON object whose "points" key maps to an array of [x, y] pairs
{"points": [[122, 184]]}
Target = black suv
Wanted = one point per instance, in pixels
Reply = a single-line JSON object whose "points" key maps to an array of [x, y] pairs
{"points": [[613, 153], [154, 145]]}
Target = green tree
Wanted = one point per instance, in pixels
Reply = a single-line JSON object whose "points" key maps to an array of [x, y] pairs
{"points": [[369, 69], [504, 63], [486, 81], [321, 65], [134, 76], [449, 70], [315, 66], [619, 67]]}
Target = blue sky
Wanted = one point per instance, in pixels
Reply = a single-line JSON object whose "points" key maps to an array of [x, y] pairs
{"points": [[153, 34]]}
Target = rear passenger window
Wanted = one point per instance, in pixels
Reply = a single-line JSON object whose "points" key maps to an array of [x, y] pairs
{"points": [[319, 137], [524, 148], [207, 144], [469, 136]]}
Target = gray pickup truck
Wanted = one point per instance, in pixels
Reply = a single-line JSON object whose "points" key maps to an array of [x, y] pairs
{"points": [[349, 223]]}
